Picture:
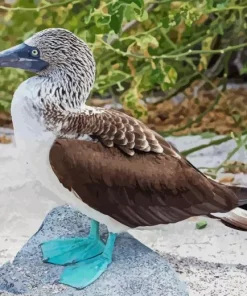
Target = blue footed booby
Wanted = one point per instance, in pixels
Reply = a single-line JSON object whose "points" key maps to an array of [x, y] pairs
{"points": [[110, 166]]}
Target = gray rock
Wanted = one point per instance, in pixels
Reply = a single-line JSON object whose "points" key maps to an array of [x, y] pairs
{"points": [[136, 270]]}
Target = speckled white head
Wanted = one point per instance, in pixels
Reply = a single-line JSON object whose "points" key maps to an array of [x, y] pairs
{"points": [[64, 52], [65, 70]]}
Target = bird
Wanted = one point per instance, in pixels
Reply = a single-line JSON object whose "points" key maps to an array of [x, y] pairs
{"points": [[109, 165]]}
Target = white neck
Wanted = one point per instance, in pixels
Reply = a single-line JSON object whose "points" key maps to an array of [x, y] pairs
{"points": [[27, 128], [41, 107]]}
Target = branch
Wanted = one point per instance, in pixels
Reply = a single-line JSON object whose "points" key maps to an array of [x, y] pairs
{"points": [[210, 73], [192, 43], [187, 80], [231, 153], [177, 56], [211, 143], [237, 7], [180, 86], [203, 146], [142, 33], [210, 108], [39, 8]]}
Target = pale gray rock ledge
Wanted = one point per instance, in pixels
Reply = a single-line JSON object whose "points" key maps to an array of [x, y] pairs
{"points": [[136, 269]]}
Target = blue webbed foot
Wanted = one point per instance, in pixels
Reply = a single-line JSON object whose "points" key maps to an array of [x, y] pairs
{"points": [[71, 250], [84, 273]]}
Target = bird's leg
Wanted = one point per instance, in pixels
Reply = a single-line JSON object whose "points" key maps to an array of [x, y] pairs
{"points": [[84, 273], [65, 251]]}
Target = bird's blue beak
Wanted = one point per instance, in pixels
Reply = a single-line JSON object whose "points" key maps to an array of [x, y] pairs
{"points": [[22, 57]]}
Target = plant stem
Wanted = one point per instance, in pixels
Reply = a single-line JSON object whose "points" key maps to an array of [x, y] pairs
{"points": [[231, 153], [180, 86], [177, 56], [237, 7], [198, 119], [39, 8], [190, 44], [141, 33], [211, 143], [203, 146]]}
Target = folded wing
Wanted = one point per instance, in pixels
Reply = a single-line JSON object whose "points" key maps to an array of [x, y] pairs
{"points": [[142, 190]]}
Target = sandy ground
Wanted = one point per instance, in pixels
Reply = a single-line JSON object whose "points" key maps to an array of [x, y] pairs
{"points": [[211, 261]]}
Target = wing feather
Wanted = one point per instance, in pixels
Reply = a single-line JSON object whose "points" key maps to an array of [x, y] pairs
{"points": [[146, 189]]}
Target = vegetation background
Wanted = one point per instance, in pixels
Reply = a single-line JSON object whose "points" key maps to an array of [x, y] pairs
{"points": [[179, 66]]}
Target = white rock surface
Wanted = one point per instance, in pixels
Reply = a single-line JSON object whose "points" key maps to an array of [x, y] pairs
{"points": [[135, 270], [24, 203]]}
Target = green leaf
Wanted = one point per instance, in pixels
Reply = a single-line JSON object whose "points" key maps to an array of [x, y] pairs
{"points": [[118, 76], [157, 76], [120, 87], [133, 10], [237, 117], [220, 29], [209, 4], [147, 40], [4, 105], [170, 77], [29, 34], [222, 4], [208, 135], [142, 17], [138, 114], [138, 3], [117, 19], [144, 77], [177, 19], [165, 22], [243, 70], [112, 78], [88, 17], [95, 3], [129, 14], [202, 224], [103, 20]]}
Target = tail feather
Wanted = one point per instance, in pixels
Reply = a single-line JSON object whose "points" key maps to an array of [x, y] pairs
{"points": [[235, 195], [241, 193]]}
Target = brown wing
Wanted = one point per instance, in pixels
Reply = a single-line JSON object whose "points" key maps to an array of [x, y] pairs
{"points": [[142, 190], [125, 132], [110, 127]]}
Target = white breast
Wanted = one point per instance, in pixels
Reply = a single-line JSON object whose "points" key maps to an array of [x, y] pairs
{"points": [[38, 160], [34, 144]]}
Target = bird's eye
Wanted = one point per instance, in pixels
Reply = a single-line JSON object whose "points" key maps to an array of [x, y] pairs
{"points": [[35, 52]]}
